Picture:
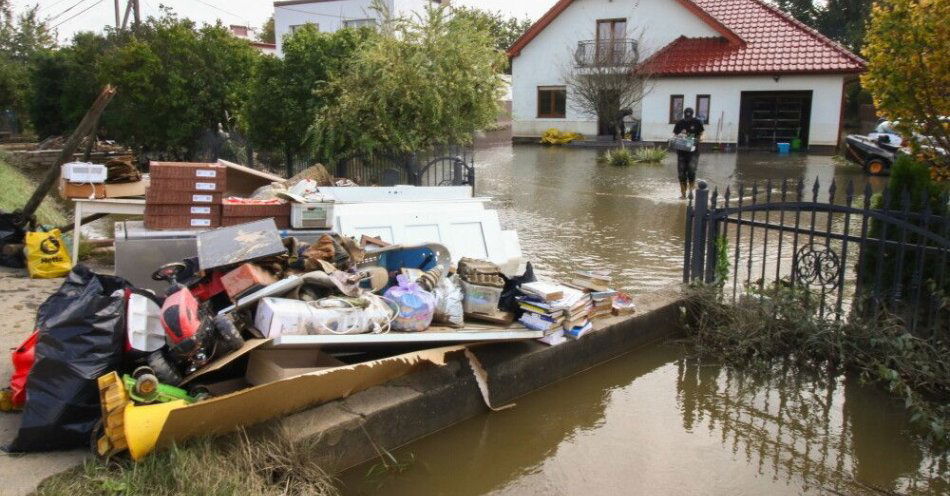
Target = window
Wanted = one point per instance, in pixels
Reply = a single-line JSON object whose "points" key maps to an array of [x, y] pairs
{"points": [[552, 101], [702, 108], [295, 27], [610, 40], [358, 23], [676, 108]]}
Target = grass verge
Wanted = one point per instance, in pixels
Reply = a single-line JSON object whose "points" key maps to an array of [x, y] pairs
{"points": [[265, 463], [15, 190]]}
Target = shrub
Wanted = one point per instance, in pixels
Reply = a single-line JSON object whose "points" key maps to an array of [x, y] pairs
{"points": [[649, 155], [620, 157]]}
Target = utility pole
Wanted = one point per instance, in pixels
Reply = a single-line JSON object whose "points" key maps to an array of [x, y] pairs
{"points": [[138, 13], [118, 16]]}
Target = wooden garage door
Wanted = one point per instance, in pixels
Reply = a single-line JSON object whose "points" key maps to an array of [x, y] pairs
{"points": [[769, 117]]}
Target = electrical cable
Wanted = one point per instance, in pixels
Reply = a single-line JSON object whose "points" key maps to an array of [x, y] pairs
{"points": [[50, 5], [71, 7], [77, 14]]}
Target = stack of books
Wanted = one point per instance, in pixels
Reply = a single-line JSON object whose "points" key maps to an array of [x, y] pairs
{"points": [[592, 280], [554, 309], [603, 302]]}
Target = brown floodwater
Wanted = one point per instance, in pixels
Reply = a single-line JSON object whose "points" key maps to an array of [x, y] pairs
{"points": [[656, 421]]}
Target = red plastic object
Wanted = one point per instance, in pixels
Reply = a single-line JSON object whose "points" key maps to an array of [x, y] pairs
{"points": [[22, 363], [245, 277], [180, 317], [207, 289]]}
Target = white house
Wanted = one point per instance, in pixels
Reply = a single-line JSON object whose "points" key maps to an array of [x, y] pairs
{"points": [[752, 72], [331, 15]]}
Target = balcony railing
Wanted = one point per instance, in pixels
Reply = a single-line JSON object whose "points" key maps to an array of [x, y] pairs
{"points": [[606, 53]]}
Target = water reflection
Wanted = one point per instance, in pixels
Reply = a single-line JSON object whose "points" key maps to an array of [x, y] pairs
{"points": [[661, 422]]}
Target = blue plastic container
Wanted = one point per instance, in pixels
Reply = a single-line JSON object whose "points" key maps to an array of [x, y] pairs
{"points": [[784, 148]]}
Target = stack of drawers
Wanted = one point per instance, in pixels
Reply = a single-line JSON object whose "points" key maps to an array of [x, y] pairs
{"points": [[185, 195]]}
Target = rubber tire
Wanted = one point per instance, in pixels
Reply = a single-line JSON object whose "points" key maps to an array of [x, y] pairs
{"points": [[228, 333], [164, 369], [876, 166]]}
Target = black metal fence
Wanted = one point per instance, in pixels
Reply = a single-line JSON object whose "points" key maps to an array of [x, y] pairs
{"points": [[869, 252]]}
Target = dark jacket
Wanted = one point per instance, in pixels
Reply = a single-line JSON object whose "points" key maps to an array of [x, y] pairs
{"points": [[693, 127]]}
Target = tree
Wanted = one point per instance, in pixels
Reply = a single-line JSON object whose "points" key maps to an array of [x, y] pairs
{"points": [[504, 30], [285, 94], [606, 77], [175, 82], [422, 82], [21, 39], [267, 31], [841, 20], [909, 71]]}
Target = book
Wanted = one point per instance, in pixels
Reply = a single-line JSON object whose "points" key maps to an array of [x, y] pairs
{"points": [[536, 324], [578, 332], [597, 276], [547, 291], [554, 339], [591, 285]]}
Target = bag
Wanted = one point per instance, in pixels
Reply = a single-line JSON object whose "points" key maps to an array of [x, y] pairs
{"points": [[22, 360], [46, 255], [11, 241], [508, 303], [81, 335], [681, 144], [416, 306], [448, 302]]}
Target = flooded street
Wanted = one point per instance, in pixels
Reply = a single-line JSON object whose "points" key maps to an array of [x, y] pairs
{"points": [[656, 421]]}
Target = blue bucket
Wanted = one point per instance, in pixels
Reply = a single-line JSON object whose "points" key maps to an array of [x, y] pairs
{"points": [[784, 148]]}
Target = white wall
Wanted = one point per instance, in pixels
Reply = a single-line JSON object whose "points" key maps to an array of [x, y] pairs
{"points": [[725, 95], [543, 61]]}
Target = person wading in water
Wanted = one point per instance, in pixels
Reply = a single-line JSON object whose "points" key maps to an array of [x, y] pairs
{"points": [[687, 162]]}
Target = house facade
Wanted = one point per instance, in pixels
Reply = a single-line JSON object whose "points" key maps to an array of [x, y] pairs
{"points": [[331, 15], [755, 75]]}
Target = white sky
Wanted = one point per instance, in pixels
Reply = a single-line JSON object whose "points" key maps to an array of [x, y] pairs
{"points": [[250, 12]]}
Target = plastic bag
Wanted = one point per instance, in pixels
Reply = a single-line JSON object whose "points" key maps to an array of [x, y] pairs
{"points": [[508, 303], [81, 337], [448, 302], [416, 306], [46, 255], [22, 360]]}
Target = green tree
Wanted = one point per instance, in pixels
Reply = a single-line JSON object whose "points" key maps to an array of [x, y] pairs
{"points": [[841, 20], [175, 82], [286, 94], [909, 72], [267, 31], [21, 39], [421, 82], [503, 29]]}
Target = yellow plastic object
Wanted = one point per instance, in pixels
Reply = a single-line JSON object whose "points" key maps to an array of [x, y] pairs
{"points": [[6, 401], [143, 424], [555, 136], [127, 426], [46, 255]]}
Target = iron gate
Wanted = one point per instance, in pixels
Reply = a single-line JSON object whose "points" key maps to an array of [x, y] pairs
{"points": [[873, 251]]}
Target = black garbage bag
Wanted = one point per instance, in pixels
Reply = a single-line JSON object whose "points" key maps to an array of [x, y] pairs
{"points": [[507, 302], [11, 233], [81, 337]]}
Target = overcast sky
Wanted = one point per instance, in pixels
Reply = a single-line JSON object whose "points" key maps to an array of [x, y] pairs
{"points": [[70, 16]]}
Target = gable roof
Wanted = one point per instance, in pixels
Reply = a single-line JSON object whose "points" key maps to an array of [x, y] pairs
{"points": [[756, 38]]}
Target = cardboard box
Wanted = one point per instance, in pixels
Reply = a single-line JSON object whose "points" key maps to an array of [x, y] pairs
{"points": [[182, 221], [171, 197], [205, 209], [266, 366], [280, 222], [117, 190]]}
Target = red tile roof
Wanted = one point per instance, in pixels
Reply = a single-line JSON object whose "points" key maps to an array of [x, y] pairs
{"points": [[756, 39]]}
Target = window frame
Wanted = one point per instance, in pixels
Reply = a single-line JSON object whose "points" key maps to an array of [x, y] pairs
{"points": [[366, 21], [708, 107], [294, 27], [673, 117], [553, 90]]}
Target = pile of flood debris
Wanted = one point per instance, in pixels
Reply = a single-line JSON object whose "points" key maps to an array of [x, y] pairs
{"points": [[258, 325]]}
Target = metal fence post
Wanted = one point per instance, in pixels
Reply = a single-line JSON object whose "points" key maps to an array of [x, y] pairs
{"points": [[700, 220]]}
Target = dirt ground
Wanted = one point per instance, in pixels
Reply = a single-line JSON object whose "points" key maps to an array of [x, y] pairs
{"points": [[20, 297]]}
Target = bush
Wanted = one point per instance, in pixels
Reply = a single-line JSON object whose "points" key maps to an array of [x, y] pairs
{"points": [[780, 324], [619, 157], [649, 155]]}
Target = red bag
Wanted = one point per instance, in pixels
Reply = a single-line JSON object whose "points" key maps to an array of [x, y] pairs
{"points": [[22, 363]]}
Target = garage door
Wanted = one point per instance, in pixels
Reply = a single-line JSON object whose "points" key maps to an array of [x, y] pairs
{"points": [[769, 117]]}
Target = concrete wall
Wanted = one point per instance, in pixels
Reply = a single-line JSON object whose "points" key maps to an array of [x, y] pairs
{"points": [[544, 61], [342, 433], [725, 94], [330, 15]]}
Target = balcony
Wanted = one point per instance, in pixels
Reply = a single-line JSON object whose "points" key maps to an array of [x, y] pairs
{"points": [[606, 53]]}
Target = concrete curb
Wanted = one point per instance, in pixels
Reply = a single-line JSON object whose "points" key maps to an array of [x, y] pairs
{"points": [[351, 431]]}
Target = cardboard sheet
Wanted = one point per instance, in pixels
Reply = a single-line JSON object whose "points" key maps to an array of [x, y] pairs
{"points": [[261, 403]]}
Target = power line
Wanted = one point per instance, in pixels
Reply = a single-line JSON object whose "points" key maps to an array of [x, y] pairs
{"points": [[50, 6], [316, 13], [71, 7], [215, 7], [77, 14]]}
